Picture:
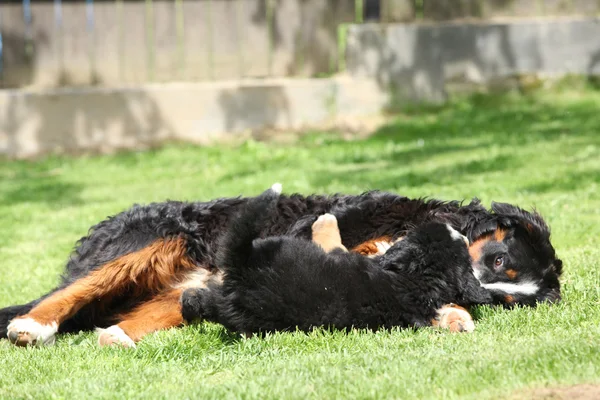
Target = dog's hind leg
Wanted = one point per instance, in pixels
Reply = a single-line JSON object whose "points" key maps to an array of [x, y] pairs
{"points": [[161, 312], [326, 233], [149, 270]]}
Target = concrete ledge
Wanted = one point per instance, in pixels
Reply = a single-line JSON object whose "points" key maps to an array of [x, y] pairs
{"points": [[417, 61], [63, 120]]}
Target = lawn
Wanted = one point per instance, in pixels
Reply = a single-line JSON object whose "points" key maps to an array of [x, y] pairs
{"points": [[541, 150]]}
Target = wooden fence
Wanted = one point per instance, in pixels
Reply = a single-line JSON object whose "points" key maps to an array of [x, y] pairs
{"points": [[116, 42]]}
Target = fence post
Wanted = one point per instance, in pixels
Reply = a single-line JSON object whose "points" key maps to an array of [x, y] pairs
{"points": [[180, 27], [238, 8], [1, 53], [28, 34], [121, 36], [58, 27], [150, 39], [89, 14], [209, 41], [359, 11], [419, 9], [270, 10]]}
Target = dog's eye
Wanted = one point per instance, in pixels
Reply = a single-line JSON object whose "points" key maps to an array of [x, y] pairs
{"points": [[499, 262]]}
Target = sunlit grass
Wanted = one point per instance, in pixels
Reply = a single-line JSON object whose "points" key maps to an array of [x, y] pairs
{"points": [[541, 151]]}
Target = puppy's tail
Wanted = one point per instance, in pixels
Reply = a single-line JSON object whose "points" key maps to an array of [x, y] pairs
{"points": [[235, 247]]}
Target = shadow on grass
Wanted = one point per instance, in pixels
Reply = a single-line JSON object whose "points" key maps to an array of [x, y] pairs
{"points": [[36, 183], [478, 127], [439, 176], [566, 183]]}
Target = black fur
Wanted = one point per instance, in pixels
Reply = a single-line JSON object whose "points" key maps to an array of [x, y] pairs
{"points": [[361, 217], [284, 283]]}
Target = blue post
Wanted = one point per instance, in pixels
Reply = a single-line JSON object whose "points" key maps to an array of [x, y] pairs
{"points": [[0, 54], [27, 18], [0, 44], [27, 12], [58, 13], [89, 12]]}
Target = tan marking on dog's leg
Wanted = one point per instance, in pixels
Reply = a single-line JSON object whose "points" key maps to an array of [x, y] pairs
{"points": [[325, 233], [148, 270], [161, 312], [454, 318]]}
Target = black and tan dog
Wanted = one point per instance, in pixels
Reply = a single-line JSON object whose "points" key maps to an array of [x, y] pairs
{"points": [[285, 283], [129, 272]]}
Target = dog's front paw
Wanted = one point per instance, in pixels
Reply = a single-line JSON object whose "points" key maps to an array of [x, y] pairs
{"points": [[114, 336], [454, 318], [29, 332], [191, 304]]}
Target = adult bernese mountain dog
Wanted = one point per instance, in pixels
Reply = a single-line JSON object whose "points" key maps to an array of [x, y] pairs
{"points": [[129, 272], [284, 283]]}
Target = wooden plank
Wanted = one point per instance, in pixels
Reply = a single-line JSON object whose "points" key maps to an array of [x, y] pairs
{"points": [[226, 37], [448, 10], [18, 65], [195, 37], [135, 43], [254, 41], [107, 42], [306, 35], [165, 41], [78, 43], [47, 42], [511, 8], [398, 10]]}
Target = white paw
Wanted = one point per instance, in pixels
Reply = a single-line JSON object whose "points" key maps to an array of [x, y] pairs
{"points": [[456, 235], [455, 319], [29, 332], [327, 218], [277, 188], [113, 335]]}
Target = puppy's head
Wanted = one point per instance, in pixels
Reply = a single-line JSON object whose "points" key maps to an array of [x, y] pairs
{"points": [[440, 253]]}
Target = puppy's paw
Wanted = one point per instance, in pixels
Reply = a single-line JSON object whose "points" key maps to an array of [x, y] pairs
{"points": [[325, 233], [191, 304], [114, 336], [454, 318], [29, 332], [325, 222]]}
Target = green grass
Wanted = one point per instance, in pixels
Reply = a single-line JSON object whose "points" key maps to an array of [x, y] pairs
{"points": [[542, 150]]}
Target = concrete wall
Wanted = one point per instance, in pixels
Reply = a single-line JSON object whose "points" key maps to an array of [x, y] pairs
{"points": [[33, 123], [385, 63], [418, 61], [133, 42]]}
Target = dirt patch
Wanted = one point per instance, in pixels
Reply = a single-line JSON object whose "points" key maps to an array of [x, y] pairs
{"points": [[576, 392]]}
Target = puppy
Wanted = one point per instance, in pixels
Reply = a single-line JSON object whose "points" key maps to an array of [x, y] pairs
{"points": [[283, 283]]}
